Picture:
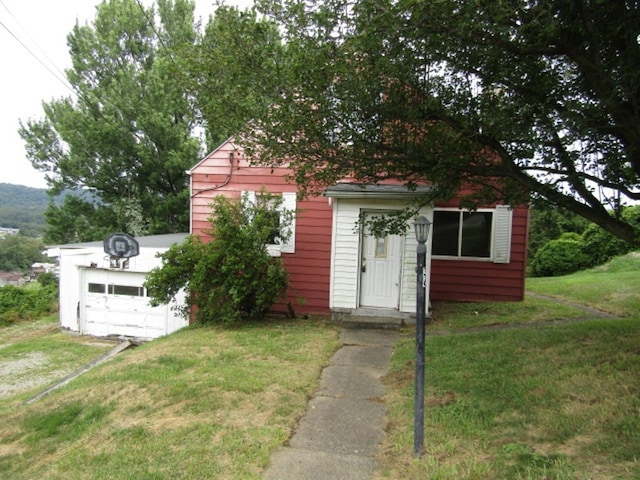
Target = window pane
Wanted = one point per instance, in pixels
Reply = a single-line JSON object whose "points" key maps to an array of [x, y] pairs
{"points": [[272, 218], [96, 288], [126, 290], [446, 226], [381, 247], [476, 234]]}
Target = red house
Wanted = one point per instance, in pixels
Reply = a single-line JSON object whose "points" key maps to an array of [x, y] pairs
{"points": [[336, 267]]}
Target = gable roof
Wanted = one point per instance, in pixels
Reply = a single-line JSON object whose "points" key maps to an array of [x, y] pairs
{"points": [[203, 159]]}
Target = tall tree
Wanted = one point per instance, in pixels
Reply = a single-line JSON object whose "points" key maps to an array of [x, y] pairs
{"points": [[234, 73], [514, 97], [19, 253], [128, 135]]}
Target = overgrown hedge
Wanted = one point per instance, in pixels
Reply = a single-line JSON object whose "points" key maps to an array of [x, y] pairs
{"points": [[27, 303], [231, 277]]}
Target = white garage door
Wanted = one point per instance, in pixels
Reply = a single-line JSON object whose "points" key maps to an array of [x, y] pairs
{"points": [[116, 303]]}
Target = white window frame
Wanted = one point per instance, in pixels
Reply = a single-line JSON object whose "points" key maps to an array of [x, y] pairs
{"points": [[500, 241], [288, 205]]}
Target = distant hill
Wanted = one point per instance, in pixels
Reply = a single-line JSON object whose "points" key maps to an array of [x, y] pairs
{"points": [[23, 207]]}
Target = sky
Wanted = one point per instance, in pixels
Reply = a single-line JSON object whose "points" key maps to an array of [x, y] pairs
{"points": [[39, 28]]}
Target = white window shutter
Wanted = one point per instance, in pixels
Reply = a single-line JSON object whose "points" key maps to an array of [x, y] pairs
{"points": [[289, 204], [502, 234]]}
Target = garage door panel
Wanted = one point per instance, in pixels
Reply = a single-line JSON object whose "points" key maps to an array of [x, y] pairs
{"points": [[114, 305]]}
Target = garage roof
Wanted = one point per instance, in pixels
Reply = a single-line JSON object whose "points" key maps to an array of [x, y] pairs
{"points": [[150, 241]]}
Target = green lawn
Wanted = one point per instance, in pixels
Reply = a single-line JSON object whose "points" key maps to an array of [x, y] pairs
{"points": [[613, 288], [202, 403], [534, 400]]}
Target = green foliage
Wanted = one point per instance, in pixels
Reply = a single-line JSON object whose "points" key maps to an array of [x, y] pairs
{"points": [[548, 222], [128, 137], [18, 253], [601, 246], [23, 208], [47, 279], [27, 303], [559, 257], [231, 276], [573, 251], [80, 219], [26, 208], [451, 92], [235, 71]]}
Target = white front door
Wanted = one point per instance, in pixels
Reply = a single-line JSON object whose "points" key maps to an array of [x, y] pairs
{"points": [[380, 271]]}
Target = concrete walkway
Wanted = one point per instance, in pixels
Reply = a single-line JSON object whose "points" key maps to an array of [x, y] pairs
{"points": [[339, 436]]}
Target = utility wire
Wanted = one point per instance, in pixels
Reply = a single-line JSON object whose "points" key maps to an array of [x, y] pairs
{"points": [[152, 24], [61, 77], [36, 57]]}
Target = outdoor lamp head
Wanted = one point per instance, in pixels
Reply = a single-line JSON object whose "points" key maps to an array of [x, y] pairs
{"points": [[421, 225]]}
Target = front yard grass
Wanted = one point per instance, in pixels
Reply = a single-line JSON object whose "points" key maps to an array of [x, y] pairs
{"points": [[557, 402], [532, 402], [205, 402]]}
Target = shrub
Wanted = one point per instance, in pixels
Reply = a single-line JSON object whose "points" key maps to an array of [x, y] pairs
{"points": [[548, 222], [601, 246], [47, 279], [29, 302], [559, 257], [232, 276], [576, 237]]}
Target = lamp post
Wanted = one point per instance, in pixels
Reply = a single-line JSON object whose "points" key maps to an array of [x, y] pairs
{"points": [[421, 225]]}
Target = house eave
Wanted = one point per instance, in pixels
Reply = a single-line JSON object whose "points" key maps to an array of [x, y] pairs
{"points": [[384, 192]]}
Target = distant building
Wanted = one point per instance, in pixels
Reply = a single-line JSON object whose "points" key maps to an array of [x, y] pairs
{"points": [[12, 278], [9, 231], [39, 268]]}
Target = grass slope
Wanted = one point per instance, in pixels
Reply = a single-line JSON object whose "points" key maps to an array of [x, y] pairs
{"points": [[551, 402], [201, 403]]}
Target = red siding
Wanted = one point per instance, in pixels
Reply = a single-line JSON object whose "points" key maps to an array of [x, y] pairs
{"points": [[309, 266], [227, 172], [479, 281]]}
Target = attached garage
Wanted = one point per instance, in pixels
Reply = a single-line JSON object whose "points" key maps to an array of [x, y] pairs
{"points": [[100, 298]]}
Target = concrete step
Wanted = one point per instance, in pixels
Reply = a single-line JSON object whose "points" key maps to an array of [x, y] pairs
{"points": [[371, 322]]}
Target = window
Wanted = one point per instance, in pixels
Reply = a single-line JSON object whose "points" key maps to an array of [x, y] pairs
{"points": [[381, 247], [484, 234], [126, 290], [97, 288], [272, 217], [288, 205], [112, 289]]}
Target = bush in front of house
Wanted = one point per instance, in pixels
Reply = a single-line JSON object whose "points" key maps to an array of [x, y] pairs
{"points": [[232, 276]]}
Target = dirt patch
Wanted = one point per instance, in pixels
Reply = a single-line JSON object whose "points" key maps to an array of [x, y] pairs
{"points": [[18, 375]]}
